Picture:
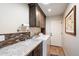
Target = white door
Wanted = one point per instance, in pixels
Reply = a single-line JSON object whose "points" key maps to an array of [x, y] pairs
{"points": [[56, 33], [54, 26]]}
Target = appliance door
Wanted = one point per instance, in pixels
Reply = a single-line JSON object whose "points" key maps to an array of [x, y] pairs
{"points": [[46, 46]]}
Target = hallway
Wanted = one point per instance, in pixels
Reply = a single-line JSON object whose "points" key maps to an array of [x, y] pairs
{"points": [[56, 24]]}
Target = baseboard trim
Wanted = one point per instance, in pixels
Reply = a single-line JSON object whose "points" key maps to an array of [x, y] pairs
{"points": [[56, 46]]}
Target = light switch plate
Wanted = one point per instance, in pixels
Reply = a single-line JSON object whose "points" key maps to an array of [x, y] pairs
{"points": [[2, 37]]}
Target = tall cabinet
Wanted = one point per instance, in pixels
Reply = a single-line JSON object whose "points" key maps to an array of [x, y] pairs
{"points": [[36, 17]]}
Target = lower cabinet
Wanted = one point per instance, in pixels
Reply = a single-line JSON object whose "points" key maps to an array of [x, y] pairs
{"points": [[30, 54], [37, 51]]}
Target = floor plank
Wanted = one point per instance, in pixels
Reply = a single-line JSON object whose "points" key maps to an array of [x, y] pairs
{"points": [[55, 51]]}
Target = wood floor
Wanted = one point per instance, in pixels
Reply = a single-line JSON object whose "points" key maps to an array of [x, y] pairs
{"points": [[55, 51]]}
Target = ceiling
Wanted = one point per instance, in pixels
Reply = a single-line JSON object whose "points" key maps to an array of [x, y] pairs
{"points": [[56, 8]]}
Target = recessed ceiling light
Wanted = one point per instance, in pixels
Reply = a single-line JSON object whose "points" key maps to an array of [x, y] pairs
{"points": [[49, 10]]}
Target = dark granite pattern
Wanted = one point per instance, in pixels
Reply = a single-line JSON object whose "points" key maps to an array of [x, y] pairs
{"points": [[13, 38], [17, 35]]}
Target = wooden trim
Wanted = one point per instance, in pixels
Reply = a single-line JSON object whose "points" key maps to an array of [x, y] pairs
{"points": [[74, 8], [56, 46]]}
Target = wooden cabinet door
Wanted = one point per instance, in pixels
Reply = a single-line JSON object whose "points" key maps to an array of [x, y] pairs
{"points": [[32, 15], [38, 50], [42, 20], [37, 17]]}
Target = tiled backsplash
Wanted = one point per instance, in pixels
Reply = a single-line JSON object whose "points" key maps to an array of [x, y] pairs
{"points": [[34, 31], [17, 35]]}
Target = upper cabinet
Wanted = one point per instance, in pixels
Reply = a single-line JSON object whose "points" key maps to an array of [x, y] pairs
{"points": [[36, 16]]}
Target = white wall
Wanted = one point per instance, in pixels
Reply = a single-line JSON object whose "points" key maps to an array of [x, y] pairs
{"points": [[53, 25], [12, 15], [71, 43]]}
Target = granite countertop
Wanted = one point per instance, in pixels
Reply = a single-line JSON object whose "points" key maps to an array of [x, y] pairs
{"points": [[20, 49]]}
